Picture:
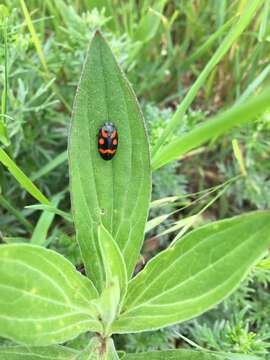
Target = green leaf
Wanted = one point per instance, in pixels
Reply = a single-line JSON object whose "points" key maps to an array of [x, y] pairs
{"points": [[37, 353], [188, 355], [173, 355], [225, 45], [113, 261], [40, 232], [52, 209], [22, 179], [195, 274], [219, 124], [114, 193], [51, 165], [44, 300], [151, 224], [5, 203], [150, 21], [107, 305], [99, 349]]}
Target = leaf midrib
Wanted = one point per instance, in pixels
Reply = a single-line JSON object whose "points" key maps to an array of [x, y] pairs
{"points": [[171, 264], [244, 243]]}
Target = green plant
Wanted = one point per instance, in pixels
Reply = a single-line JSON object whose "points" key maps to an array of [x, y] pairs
{"points": [[46, 301]]}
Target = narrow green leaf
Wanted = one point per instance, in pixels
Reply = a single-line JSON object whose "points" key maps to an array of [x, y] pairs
{"points": [[51, 165], [40, 232], [235, 32], [44, 300], [207, 44], [149, 23], [151, 224], [37, 353], [114, 193], [53, 210], [3, 128], [251, 89], [34, 35], [219, 124], [195, 274], [239, 157], [18, 214], [113, 261], [22, 179]]}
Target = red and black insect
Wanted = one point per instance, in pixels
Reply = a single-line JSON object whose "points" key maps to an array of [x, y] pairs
{"points": [[107, 141]]}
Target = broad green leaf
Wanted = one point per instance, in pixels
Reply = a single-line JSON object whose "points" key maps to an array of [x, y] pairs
{"points": [[22, 179], [195, 274], [225, 45], [37, 353], [44, 300], [114, 193], [173, 355], [113, 261], [219, 124], [187, 355]]}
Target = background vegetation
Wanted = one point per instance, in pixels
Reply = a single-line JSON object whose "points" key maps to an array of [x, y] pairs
{"points": [[162, 46]]}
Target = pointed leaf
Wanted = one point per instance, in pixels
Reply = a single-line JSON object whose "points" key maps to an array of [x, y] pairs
{"points": [[107, 305], [37, 353], [116, 192], [44, 300], [113, 261], [39, 235], [197, 273]]}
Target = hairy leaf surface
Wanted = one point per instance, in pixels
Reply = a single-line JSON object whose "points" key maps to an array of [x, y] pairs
{"points": [[114, 193], [113, 261], [198, 272], [173, 355], [44, 300], [37, 353]]}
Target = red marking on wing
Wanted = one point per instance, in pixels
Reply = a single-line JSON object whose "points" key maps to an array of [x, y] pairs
{"points": [[113, 135], [106, 151], [104, 134]]}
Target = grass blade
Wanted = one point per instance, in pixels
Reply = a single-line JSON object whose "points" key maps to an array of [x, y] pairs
{"points": [[219, 54], [22, 179], [219, 124]]}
